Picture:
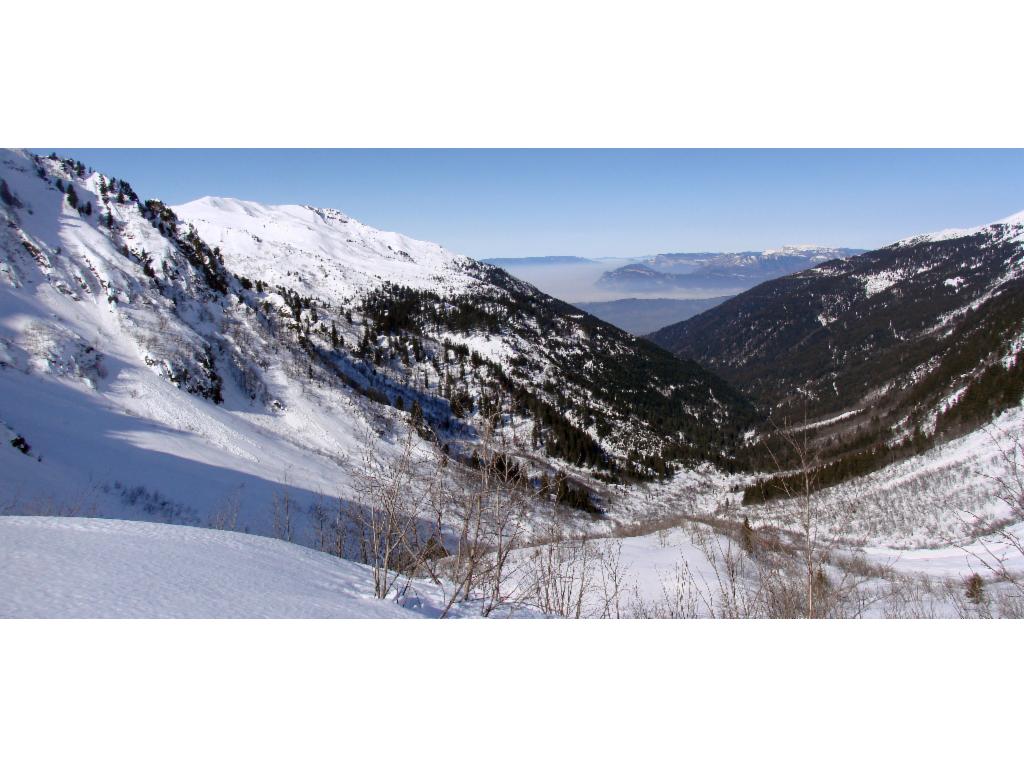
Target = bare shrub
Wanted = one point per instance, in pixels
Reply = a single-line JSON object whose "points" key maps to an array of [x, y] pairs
{"points": [[561, 574], [910, 597], [321, 523], [225, 516], [391, 493], [283, 508], [485, 509], [747, 573], [1000, 545]]}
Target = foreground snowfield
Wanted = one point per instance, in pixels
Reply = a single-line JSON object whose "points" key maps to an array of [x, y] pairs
{"points": [[87, 568], [61, 567]]}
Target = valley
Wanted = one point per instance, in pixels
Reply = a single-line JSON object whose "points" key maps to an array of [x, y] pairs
{"points": [[442, 438]]}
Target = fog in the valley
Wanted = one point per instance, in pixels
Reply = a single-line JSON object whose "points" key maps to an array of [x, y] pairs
{"points": [[578, 282]]}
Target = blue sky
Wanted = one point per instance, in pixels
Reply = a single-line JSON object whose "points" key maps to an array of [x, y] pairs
{"points": [[603, 203]]}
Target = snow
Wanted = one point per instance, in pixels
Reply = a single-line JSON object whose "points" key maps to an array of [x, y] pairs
{"points": [[828, 421], [950, 562], [925, 502], [877, 282], [809, 251], [493, 347], [88, 348], [86, 381], [1013, 223], [87, 568], [321, 249]]}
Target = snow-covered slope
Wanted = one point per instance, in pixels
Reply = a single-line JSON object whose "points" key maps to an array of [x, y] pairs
{"points": [[946, 494], [322, 251], [421, 288], [926, 311], [87, 568], [155, 370], [143, 381], [1010, 228], [218, 363]]}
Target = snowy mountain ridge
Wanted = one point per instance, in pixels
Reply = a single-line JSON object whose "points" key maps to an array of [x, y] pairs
{"points": [[727, 272], [303, 247], [912, 344], [1010, 229]]}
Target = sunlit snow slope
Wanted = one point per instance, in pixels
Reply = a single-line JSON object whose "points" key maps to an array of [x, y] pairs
{"points": [[85, 568], [166, 365], [141, 386], [320, 250]]}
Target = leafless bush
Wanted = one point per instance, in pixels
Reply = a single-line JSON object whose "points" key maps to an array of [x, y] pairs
{"points": [[561, 574], [1009, 605], [574, 577], [485, 509], [749, 574], [998, 546], [911, 597], [680, 598], [392, 493], [321, 523], [612, 574], [283, 508], [225, 516]]}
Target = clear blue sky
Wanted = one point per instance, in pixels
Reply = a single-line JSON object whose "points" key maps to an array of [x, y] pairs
{"points": [[598, 203]]}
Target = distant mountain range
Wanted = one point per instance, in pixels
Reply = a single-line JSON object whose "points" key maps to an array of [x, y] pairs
{"points": [[726, 272]]}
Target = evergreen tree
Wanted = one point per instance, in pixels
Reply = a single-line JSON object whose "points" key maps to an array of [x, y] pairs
{"points": [[7, 196], [975, 588], [747, 536]]}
